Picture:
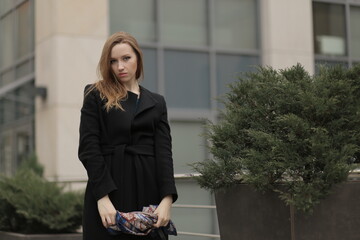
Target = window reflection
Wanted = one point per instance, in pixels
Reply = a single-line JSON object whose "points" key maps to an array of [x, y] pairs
{"points": [[355, 31], [235, 24], [150, 69], [329, 29], [187, 79], [24, 30], [328, 63], [5, 5], [7, 41], [136, 17], [229, 67], [6, 153], [24, 100], [23, 146], [184, 22]]}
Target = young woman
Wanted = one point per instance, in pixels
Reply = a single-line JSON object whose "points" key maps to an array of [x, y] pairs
{"points": [[125, 143]]}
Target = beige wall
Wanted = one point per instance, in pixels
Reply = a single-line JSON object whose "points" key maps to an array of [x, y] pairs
{"points": [[287, 35], [69, 38]]}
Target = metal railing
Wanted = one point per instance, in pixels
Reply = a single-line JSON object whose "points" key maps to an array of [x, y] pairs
{"points": [[69, 182], [354, 175], [193, 233]]}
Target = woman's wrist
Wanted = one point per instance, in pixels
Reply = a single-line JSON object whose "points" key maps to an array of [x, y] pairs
{"points": [[167, 200], [104, 198]]}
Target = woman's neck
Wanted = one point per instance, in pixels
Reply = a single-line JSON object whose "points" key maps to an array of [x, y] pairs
{"points": [[133, 87]]}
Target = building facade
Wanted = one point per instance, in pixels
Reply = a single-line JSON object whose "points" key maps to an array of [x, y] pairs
{"points": [[192, 50]]}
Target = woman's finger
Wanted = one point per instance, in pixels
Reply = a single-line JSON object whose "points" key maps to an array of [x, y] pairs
{"points": [[103, 220], [164, 223], [113, 220], [161, 223], [108, 220]]}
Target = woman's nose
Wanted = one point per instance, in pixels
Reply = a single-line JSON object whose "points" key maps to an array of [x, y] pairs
{"points": [[121, 66]]}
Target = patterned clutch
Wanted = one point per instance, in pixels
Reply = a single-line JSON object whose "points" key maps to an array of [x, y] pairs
{"points": [[140, 223]]}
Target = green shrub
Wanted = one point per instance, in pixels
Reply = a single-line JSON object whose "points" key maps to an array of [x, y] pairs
{"points": [[30, 204], [288, 132]]}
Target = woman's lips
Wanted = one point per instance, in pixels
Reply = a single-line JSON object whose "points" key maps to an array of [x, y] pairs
{"points": [[122, 74]]}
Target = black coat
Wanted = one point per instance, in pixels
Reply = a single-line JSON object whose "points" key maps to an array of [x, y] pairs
{"points": [[127, 155]]}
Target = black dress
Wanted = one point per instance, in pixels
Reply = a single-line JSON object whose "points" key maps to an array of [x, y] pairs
{"points": [[127, 155]]}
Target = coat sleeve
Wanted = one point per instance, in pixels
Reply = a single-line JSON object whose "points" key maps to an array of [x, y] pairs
{"points": [[163, 154], [89, 150]]}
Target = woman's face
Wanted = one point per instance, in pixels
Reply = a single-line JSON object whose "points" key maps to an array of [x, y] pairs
{"points": [[123, 63]]}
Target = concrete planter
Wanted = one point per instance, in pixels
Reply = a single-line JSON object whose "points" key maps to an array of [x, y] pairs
{"points": [[18, 236], [246, 214]]}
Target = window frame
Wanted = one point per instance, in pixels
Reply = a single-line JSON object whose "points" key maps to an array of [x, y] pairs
{"points": [[23, 122], [160, 47], [348, 59]]}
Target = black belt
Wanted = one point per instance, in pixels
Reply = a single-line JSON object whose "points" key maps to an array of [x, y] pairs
{"points": [[118, 154], [139, 149]]}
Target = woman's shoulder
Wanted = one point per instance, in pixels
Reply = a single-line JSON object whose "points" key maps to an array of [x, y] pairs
{"points": [[90, 88], [91, 93], [156, 96]]}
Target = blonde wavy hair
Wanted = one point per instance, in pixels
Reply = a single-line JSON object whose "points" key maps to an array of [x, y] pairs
{"points": [[111, 90]]}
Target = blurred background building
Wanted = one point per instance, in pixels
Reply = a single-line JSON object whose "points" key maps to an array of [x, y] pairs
{"points": [[49, 50]]}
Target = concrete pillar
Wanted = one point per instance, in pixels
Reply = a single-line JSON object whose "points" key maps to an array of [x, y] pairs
{"points": [[287, 33], [69, 39]]}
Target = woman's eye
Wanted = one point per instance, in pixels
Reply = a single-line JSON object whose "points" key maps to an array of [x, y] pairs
{"points": [[112, 61], [126, 58]]}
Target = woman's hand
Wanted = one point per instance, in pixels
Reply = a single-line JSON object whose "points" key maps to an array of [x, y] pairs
{"points": [[107, 211], [163, 212]]}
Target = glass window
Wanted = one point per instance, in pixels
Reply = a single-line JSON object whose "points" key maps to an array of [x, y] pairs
{"points": [[328, 63], [235, 24], [2, 110], [24, 100], [23, 146], [24, 30], [188, 145], [150, 69], [229, 67], [331, 63], [17, 104], [329, 29], [136, 17], [7, 77], [7, 41], [187, 79], [184, 22], [5, 5], [23, 69], [16, 61], [355, 31], [8, 107], [14, 144], [6, 153]]}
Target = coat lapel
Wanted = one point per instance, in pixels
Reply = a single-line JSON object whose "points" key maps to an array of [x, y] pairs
{"points": [[146, 101]]}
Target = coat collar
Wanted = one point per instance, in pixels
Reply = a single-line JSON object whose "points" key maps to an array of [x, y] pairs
{"points": [[146, 100]]}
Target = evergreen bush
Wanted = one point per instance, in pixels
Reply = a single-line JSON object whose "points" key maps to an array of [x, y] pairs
{"points": [[286, 131], [30, 204]]}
